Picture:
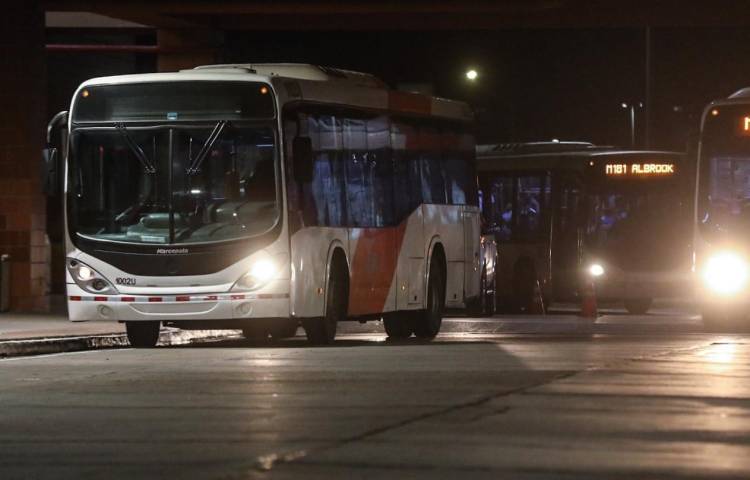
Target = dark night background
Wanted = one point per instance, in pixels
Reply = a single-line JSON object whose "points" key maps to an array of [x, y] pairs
{"points": [[534, 84]]}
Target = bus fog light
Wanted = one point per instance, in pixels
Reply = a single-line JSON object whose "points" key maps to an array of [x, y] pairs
{"points": [[725, 273], [261, 272], [244, 309], [596, 270]]}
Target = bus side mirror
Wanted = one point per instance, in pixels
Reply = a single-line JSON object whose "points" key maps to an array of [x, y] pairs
{"points": [[50, 171], [51, 164], [302, 153]]}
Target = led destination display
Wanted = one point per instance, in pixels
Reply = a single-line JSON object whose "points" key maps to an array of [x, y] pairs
{"points": [[639, 169]]}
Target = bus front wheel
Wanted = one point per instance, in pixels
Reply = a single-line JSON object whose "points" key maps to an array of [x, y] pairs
{"points": [[638, 306], [428, 323], [322, 330], [143, 334]]}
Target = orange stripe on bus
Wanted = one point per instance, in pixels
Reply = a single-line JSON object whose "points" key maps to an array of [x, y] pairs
{"points": [[373, 268]]}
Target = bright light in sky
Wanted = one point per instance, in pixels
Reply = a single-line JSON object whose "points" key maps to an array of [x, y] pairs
{"points": [[472, 74]]}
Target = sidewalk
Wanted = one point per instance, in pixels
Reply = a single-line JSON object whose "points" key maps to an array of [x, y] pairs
{"points": [[34, 334]]}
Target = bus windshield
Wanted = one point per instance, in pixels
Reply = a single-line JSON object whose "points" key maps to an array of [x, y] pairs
{"points": [[724, 190], [172, 184], [638, 223]]}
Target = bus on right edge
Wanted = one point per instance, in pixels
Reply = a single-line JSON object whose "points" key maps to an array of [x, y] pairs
{"points": [[722, 213]]}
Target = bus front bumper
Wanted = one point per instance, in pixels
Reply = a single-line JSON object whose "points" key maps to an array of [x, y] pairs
{"points": [[621, 285], [84, 306]]}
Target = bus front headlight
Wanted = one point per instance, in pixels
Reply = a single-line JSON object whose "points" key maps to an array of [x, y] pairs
{"points": [[596, 270], [89, 279], [725, 273], [261, 272]]}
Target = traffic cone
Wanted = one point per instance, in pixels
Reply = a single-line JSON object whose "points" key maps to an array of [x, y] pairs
{"points": [[588, 301], [537, 302]]}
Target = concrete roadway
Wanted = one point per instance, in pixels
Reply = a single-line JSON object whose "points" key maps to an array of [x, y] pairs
{"points": [[640, 397]]}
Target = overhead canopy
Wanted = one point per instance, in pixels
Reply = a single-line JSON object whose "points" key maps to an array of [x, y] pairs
{"points": [[413, 14]]}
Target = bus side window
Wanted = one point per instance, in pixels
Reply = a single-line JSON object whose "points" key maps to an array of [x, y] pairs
{"points": [[458, 167], [380, 156], [570, 209], [328, 170], [407, 181], [533, 193], [498, 207], [433, 181]]}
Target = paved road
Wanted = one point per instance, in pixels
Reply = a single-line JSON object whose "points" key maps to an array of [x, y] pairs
{"points": [[640, 397]]}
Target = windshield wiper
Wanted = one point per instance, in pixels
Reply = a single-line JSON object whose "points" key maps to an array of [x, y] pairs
{"points": [[136, 149], [195, 164]]}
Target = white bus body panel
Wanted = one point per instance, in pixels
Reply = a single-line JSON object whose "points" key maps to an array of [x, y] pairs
{"points": [[304, 258]]}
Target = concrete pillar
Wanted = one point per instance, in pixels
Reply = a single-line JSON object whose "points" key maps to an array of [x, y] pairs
{"points": [[22, 128], [182, 49]]}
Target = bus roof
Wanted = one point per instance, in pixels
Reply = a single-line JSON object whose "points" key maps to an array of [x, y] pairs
{"points": [[577, 157], [311, 83]]}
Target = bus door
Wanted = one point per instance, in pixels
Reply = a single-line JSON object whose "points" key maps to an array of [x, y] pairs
{"points": [[514, 205], [567, 233]]}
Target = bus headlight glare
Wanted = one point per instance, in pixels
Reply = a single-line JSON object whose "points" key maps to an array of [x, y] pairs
{"points": [[725, 273], [596, 270], [85, 273], [261, 272]]}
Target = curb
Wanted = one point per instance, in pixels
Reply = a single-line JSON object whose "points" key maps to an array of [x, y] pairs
{"points": [[45, 346]]}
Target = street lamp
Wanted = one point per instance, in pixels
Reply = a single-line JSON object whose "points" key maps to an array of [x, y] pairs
{"points": [[471, 75], [632, 106]]}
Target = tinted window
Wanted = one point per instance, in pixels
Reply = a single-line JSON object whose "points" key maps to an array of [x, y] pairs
{"points": [[119, 195], [433, 180], [530, 200], [407, 179], [458, 166], [328, 187], [498, 200], [373, 171]]}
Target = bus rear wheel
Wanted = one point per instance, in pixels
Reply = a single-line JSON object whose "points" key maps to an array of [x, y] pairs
{"points": [[429, 322], [638, 306], [397, 325], [322, 330], [143, 334]]}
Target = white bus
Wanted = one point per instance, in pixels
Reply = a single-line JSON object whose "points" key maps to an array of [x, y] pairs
{"points": [[261, 197], [722, 221]]}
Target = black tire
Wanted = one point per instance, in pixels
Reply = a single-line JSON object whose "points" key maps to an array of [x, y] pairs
{"points": [[143, 334], [322, 330], [429, 321], [638, 306], [398, 325]]}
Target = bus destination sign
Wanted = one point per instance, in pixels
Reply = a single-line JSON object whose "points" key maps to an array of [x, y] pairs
{"points": [[638, 169]]}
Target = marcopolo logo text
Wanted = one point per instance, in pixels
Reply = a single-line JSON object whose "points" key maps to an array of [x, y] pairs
{"points": [[171, 251]]}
